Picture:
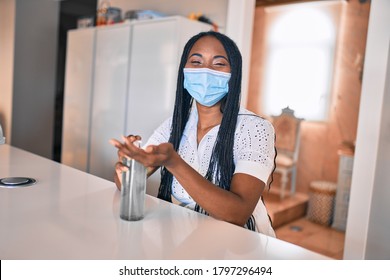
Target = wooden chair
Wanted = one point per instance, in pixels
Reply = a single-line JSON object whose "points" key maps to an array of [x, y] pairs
{"points": [[287, 130]]}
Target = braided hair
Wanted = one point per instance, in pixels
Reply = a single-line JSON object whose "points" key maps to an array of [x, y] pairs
{"points": [[221, 166]]}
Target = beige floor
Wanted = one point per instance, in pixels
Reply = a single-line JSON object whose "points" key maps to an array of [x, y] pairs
{"points": [[291, 225], [318, 238]]}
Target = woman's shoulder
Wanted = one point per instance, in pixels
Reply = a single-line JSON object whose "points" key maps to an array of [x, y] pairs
{"points": [[249, 119], [161, 133], [166, 124]]}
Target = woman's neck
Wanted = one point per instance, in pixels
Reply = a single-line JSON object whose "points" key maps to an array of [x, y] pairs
{"points": [[208, 117]]}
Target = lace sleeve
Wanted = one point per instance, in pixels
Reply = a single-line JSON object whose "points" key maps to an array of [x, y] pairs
{"points": [[255, 147]]}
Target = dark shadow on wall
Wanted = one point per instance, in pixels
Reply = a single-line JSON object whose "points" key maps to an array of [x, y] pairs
{"points": [[70, 12]]}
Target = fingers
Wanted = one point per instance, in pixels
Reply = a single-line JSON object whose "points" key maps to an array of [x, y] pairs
{"points": [[163, 148], [158, 155], [125, 150], [115, 143], [132, 141], [128, 147], [129, 139], [133, 138], [119, 168], [150, 149], [151, 156]]}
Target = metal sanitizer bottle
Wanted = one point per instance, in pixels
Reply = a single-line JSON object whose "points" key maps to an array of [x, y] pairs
{"points": [[133, 190]]}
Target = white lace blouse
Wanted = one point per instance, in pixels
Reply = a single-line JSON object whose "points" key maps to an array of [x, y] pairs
{"points": [[253, 154]]}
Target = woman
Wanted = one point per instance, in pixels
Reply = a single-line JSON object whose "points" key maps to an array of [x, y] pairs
{"points": [[216, 157]]}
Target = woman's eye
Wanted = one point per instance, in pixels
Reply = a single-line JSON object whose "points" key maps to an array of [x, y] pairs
{"points": [[221, 64], [196, 62]]}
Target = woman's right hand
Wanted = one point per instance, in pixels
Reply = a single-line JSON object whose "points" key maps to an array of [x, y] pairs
{"points": [[119, 166]]}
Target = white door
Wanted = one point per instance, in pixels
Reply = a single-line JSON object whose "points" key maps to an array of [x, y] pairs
{"points": [[77, 98], [152, 76], [109, 99]]}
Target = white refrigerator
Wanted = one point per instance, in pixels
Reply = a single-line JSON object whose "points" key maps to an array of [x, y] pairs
{"points": [[119, 79]]}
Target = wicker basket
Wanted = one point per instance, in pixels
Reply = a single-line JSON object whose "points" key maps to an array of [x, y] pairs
{"points": [[321, 202]]}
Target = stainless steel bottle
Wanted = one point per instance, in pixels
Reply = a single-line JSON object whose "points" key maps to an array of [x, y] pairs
{"points": [[133, 191], [2, 138]]}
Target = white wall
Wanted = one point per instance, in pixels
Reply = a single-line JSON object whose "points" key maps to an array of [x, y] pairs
{"points": [[29, 51], [368, 225], [239, 27]]}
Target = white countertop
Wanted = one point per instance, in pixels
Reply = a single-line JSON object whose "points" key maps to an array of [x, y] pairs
{"points": [[69, 214]]}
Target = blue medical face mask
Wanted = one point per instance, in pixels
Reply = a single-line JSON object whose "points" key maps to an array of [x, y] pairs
{"points": [[206, 86]]}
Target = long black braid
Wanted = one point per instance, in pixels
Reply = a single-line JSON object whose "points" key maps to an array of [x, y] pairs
{"points": [[221, 166]]}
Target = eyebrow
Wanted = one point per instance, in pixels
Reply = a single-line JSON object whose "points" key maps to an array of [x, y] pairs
{"points": [[221, 56], [196, 54]]}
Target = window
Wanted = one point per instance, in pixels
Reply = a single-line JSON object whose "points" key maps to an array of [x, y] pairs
{"points": [[300, 53]]}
